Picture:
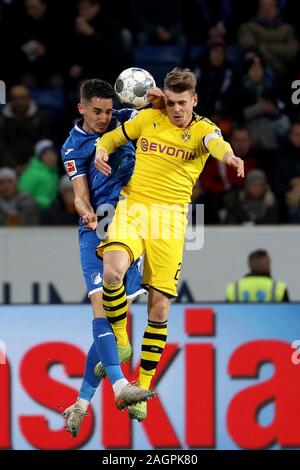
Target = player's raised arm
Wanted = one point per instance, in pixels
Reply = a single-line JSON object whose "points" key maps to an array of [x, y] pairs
{"points": [[110, 141], [106, 145], [222, 151]]}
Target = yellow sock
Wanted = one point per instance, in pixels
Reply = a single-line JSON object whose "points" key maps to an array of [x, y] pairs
{"points": [[153, 344], [114, 302], [144, 380]]}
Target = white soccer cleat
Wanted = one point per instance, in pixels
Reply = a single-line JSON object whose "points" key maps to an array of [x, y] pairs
{"points": [[73, 417]]}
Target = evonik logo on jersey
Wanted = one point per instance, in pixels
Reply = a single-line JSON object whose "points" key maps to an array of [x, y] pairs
{"points": [[147, 146]]}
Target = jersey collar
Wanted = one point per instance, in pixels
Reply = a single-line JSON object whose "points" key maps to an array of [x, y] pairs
{"points": [[78, 127]]}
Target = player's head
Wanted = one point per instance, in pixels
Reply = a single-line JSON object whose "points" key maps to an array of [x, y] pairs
{"points": [[268, 9], [20, 99], [36, 9], [8, 183], [181, 98], [96, 104], [89, 9], [259, 262]]}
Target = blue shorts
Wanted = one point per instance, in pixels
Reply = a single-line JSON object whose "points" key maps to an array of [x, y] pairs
{"points": [[92, 267]]}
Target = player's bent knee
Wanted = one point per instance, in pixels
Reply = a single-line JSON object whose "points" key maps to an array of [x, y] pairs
{"points": [[113, 275]]}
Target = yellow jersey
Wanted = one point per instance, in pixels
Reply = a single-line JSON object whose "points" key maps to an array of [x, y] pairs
{"points": [[169, 159]]}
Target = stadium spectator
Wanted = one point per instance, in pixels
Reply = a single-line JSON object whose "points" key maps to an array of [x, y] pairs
{"points": [[214, 76], [39, 58], [62, 211], [41, 177], [16, 207], [287, 163], [66, 117], [215, 18], [9, 12], [258, 107], [210, 205], [242, 145], [163, 28], [21, 125], [97, 44], [218, 179], [258, 285], [274, 39], [293, 201], [255, 204]]}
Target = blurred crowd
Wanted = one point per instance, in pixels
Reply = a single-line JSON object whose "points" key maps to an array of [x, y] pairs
{"points": [[245, 56]]}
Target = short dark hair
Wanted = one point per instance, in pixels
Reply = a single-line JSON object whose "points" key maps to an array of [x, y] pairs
{"points": [[256, 260], [96, 88], [179, 80], [240, 129], [91, 2]]}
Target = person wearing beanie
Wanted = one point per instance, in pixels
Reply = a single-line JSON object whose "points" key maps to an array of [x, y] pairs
{"points": [[256, 176], [16, 207], [253, 204], [41, 177], [62, 211]]}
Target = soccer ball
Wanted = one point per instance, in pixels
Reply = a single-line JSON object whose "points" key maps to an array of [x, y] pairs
{"points": [[132, 85]]}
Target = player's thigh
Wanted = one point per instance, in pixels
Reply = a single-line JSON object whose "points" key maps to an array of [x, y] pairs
{"points": [[162, 265], [92, 266], [116, 261], [125, 231]]}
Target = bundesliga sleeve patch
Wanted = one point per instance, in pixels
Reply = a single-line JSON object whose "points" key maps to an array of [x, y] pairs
{"points": [[70, 167]]}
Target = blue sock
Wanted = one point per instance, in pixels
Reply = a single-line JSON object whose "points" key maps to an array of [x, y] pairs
{"points": [[106, 346], [90, 380]]}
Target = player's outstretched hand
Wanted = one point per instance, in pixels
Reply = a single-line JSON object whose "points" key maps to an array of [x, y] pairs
{"points": [[90, 220], [100, 162], [236, 162], [156, 97]]}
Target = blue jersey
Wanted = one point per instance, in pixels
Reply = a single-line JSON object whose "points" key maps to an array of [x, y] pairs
{"points": [[78, 155]]}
